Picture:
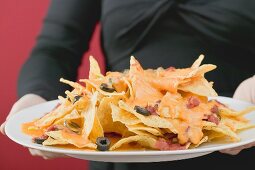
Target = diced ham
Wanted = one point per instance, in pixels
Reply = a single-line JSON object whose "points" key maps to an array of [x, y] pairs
{"points": [[152, 109], [170, 68], [215, 109], [213, 118], [162, 145], [53, 128], [193, 102]]}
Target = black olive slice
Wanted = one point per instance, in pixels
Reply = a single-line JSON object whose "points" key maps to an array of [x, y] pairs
{"points": [[103, 143], [106, 88], [40, 140], [77, 98], [142, 110]]}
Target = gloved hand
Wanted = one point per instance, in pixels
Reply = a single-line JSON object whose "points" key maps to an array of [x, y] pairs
{"points": [[24, 102], [246, 92]]}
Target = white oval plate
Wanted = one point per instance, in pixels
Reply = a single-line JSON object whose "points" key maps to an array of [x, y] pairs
{"points": [[13, 131]]}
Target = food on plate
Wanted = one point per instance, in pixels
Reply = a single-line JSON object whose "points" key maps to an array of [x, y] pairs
{"points": [[147, 109]]}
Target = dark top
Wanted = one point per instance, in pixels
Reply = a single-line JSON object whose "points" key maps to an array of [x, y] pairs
{"points": [[159, 33]]}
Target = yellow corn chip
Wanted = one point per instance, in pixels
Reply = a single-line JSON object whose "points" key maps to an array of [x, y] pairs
{"points": [[142, 140], [151, 120]]}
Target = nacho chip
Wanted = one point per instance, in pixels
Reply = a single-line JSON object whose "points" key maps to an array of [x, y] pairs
{"points": [[142, 127], [57, 113], [221, 128], [97, 130], [228, 112], [198, 62], [208, 125], [51, 141], [94, 71], [71, 138], [198, 70], [141, 133], [199, 86], [204, 69], [131, 91], [104, 114], [89, 116], [89, 82], [235, 124], [212, 135], [144, 141], [123, 116], [152, 120], [203, 140], [73, 115], [75, 85]]}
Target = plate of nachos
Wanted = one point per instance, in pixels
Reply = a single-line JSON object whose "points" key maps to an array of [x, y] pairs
{"points": [[138, 115]]}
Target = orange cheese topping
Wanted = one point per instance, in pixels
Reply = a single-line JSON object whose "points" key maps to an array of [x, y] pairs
{"points": [[189, 124], [31, 130], [74, 138]]}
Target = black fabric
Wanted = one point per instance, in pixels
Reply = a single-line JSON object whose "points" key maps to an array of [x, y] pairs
{"points": [[158, 33], [223, 30], [212, 161], [64, 38]]}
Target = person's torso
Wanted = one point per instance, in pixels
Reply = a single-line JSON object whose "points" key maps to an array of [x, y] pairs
{"points": [[174, 33]]}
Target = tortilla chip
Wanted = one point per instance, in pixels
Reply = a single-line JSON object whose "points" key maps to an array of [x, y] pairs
{"points": [[141, 133], [89, 116], [51, 141], [142, 127], [198, 62], [75, 85], [104, 114], [235, 125], [204, 69], [73, 115], [144, 141], [89, 82], [94, 71], [71, 138], [135, 66], [221, 128], [97, 130], [203, 140], [151, 120], [212, 135], [131, 91], [208, 125], [199, 86], [123, 116], [228, 112], [198, 70], [57, 113]]}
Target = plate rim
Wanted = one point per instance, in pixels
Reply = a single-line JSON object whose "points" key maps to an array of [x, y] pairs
{"points": [[121, 153]]}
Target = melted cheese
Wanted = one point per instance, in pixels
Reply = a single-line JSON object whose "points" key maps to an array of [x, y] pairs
{"points": [[31, 130]]}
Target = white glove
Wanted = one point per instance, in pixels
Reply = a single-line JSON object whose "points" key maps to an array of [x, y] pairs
{"points": [[24, 102], [246, 92]]}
